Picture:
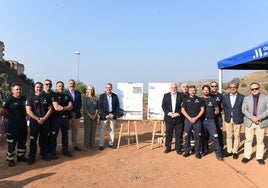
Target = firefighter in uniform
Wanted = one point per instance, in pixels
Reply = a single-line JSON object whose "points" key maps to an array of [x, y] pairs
{"points": [[39, 108], [192, 108], [62, 104], [47, 91], [218, 118], [209, 127], [14, 110]]}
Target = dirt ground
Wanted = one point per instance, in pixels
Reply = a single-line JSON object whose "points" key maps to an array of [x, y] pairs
{"points": [[132, 167]]}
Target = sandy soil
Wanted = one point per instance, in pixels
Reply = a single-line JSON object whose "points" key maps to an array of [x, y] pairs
{"points": [[132, 167]]}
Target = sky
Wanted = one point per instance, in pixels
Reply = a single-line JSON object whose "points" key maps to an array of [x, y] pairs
{"points": [[140, 41]]}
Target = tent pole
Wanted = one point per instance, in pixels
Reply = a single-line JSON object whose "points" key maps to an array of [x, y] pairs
{"points": [[220, 80]]}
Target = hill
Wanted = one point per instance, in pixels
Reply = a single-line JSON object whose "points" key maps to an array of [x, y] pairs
{"points": [[260, 77], [244, 83]]}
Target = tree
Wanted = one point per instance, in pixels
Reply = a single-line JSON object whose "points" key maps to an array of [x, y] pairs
{"points": [[81, 87], [266, 86], [237, 80], [4, 88], [243, 85]]}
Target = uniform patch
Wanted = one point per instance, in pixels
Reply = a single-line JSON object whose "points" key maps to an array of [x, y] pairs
{"points": [[210, 103]]}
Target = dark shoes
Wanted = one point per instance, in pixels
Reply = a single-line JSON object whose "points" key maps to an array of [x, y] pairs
{"points": [[198, 156], [261, 161], [76, 148], [11, 163], [22, 159], [31, 161], [235, 156], [101, 148], [204, 153], [228, 154], [179, 152], [186, 154], [245, 160], [220, 158], [111, 146], [67, 154], [46, 158], [54, 156], [167, 150]]}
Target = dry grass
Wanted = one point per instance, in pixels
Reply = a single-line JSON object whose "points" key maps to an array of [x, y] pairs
{"points": [[260, 77]]}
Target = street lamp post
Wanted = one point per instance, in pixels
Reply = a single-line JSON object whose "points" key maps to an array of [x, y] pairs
{"points": [[78, 58]]}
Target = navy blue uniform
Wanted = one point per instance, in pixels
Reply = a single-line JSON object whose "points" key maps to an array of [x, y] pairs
{"points": [[209, 127], [40, 106], [16, 127], [218, 118], [49, 95], [192, 106], [60, 120]]}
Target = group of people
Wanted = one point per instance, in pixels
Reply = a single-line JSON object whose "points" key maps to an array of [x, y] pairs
{"points": [[194, 120], [49, 112], [190, 116]]}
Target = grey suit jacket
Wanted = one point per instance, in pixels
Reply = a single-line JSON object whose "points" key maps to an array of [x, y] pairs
{"points": [[262, 110]]}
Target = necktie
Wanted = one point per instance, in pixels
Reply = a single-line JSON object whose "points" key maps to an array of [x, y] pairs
{"points": [[255, 105]]}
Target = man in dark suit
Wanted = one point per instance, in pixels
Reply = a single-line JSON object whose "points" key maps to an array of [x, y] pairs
{"points": [[109, 107], [74, 121], [232, 103], [171, 105], [255, 109]]}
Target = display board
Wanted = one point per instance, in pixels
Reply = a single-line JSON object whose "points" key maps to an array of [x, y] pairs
{"points": [[156, 92], [131, 100]]}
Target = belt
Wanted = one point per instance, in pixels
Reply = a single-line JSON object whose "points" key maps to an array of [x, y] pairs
{"points": [[209, 118]]}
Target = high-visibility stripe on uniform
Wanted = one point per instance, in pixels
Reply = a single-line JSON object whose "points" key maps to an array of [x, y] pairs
{"points": [[9, 140], [10, 156], [21, 152]]}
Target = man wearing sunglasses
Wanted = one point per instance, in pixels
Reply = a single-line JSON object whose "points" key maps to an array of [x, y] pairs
{"points": [[218, 118], [47, 91], [255, 109]]}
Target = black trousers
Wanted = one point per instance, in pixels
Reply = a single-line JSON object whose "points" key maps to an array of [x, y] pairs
{"points": [[218, 122], [57, 124], [16, 136], [172, 126], [43, 132]]}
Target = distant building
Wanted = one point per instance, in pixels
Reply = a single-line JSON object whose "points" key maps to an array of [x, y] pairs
{"points": [[13, 64], [2, 49], [17, 66]]}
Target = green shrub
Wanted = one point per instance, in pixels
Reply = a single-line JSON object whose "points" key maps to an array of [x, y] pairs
{"points": [[243, 85], [266, 86]]}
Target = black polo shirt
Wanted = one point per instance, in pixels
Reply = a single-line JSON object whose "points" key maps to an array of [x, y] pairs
{"points": [[16, 109], [39, 104], [218, 98], [192, 105], [63, 100], [211, 104]]}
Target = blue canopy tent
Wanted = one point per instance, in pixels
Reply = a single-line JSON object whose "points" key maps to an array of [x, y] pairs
{"points": [[253, 59]]}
